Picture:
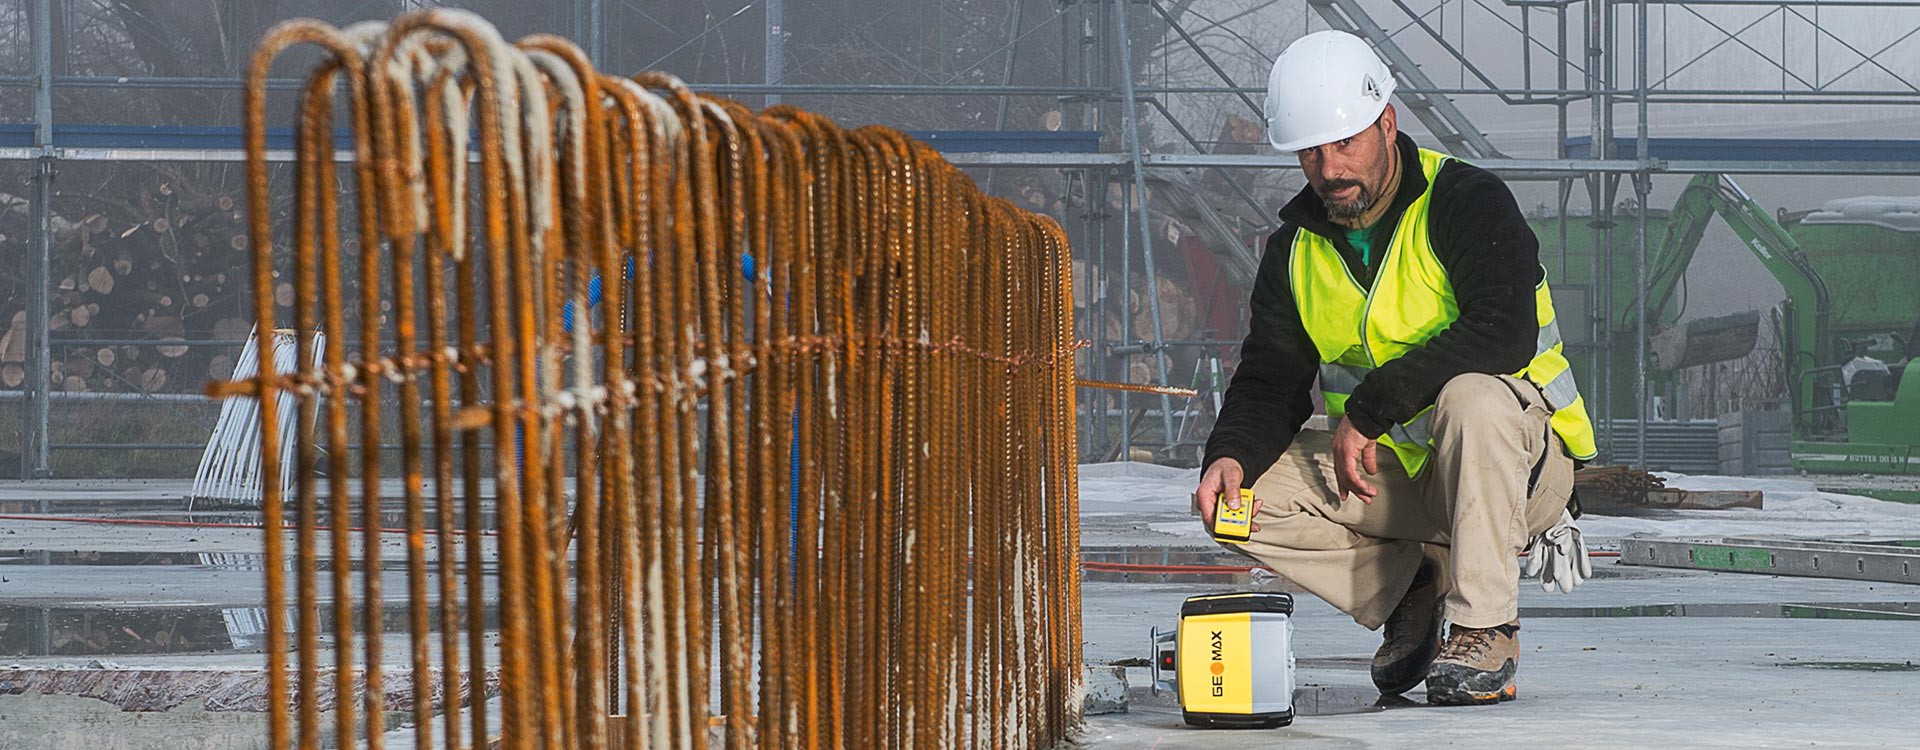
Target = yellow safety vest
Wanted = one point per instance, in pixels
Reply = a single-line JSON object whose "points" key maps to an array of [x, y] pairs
{"points": [[1356, 329]]}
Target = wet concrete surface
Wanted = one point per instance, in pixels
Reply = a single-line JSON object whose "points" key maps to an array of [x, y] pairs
{"points": [[79, 590], [1632, 676], [1636, 658]]}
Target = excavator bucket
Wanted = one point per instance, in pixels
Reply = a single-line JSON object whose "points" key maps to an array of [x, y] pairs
{"points": [[1706, 340]]}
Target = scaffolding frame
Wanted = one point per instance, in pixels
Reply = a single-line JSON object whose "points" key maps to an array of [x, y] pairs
{"points": [[1577, 42]]}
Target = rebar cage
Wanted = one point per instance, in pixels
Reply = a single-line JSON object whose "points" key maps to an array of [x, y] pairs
{"points": [[714, 425]]}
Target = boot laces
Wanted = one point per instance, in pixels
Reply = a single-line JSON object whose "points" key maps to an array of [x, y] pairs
{"points": [[1469, 644]]}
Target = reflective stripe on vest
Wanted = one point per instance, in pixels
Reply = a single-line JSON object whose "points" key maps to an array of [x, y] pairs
{"points": [[1416, 302]]}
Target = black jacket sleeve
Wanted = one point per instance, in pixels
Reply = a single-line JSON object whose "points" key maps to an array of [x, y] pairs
{"points": [[1493, 262], [1268, 399]]}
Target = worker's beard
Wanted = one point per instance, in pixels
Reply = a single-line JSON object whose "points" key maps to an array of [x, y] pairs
{"points": [[1347, 210]]}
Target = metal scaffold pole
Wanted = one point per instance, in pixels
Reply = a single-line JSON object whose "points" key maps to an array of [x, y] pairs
{"points": [[776, 46], [1132, 112], [1642, 187], [596, 39], [34, 440]]}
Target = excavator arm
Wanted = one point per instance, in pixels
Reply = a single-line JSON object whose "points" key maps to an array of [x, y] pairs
{"points": [[1805, 343]]}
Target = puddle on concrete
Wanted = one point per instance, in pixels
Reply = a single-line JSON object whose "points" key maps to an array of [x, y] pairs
{"points": [[239, 561], [81, 630], [391, 517], [1810, 611], [99, 557], [27, 630], [1857, 666]]}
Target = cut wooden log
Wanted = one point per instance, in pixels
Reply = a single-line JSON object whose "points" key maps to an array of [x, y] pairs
{"points": [[100, 280], [231, 329], [12, 375], [13, 344], [164, 326], [80, 366]]}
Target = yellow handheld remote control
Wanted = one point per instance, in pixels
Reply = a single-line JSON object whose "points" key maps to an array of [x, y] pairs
{"points": [[1230, 525]]}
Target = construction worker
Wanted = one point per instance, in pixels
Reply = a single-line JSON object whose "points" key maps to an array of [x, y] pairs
{"points": [[1408, 282]]}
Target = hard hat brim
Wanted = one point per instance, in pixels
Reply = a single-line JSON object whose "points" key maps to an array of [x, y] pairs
{"points": [[1325, 137]]}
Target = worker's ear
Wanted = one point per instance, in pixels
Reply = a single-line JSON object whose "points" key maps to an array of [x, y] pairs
{"points": [[1388, 126]]}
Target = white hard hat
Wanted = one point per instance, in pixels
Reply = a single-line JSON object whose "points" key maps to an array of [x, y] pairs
{"points": [[1325, 87]]}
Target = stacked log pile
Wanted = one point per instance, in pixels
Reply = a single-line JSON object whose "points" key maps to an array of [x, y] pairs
{"points": [[159, 268]]}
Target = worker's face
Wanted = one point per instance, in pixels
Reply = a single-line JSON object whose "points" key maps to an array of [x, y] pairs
{"points": [[1351, 175]]}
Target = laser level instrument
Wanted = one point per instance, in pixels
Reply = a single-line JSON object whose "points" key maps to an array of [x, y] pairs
{"points": [[1230, 660], [1233, 525]]}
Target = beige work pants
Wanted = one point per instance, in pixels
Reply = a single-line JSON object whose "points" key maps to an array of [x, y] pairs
{"points": [[1472, 508]]}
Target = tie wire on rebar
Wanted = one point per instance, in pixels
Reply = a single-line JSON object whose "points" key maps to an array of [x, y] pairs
{"points": [[773, 419]]}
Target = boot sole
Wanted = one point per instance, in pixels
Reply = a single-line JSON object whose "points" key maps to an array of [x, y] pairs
{"points": [[1454, 697]]}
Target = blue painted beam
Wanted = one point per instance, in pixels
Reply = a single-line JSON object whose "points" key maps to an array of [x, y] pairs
{"points": [[210, 138], [1758, 149]]}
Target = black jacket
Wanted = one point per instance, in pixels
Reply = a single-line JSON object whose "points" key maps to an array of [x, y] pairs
{"points": [[1492, 260]]}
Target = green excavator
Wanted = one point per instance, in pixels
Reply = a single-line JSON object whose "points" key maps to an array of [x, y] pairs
{"points": [[1852, 409]]}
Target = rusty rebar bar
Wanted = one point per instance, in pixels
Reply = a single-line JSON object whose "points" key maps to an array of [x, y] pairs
{"points": [[773, 418]]}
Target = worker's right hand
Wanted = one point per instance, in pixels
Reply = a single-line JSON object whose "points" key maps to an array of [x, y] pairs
{"points": [[1224, 475], [1353, 453]]}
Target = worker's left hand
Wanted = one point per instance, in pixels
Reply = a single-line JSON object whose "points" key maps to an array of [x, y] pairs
{"points": [[1353, 453], [1559, 557]]}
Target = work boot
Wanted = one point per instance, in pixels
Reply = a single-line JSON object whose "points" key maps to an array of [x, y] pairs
{"points": [[1476, 666], [1412, 634]]}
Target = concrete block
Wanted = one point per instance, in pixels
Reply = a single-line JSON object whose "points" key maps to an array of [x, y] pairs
{"points": [[1106, 689], [1755, 442], [71, 722]]}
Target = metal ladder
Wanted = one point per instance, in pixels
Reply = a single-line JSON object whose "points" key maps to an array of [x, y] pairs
{"points": [[1448, 124]]}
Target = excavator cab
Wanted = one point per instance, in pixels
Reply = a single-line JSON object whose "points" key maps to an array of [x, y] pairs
{"points": [[1852, 410], [1866, 378]]}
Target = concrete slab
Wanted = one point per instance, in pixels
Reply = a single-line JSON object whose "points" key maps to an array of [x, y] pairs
{"points": [[1693, 681], [1588, 682], [1738, 670]]}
